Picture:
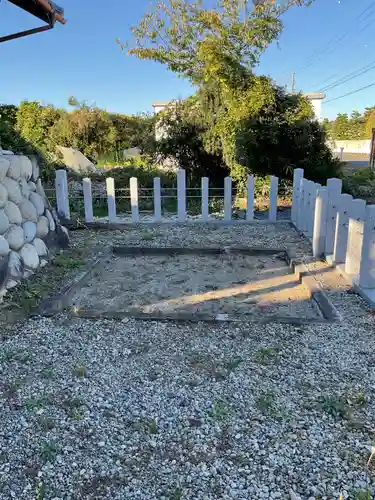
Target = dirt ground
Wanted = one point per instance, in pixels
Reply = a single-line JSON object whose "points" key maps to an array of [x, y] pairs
{"points": [[208, 285]]}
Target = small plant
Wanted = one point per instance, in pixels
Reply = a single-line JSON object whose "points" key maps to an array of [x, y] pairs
{"points": [[266, 355], [153, 427], [147, 236], [219, 411], [37, 402], [67, 262], [49, 451], [74, 407], [175, 494], [232, 364], [11, 389], [47, 372], [80, 371], [266, 403], [334, 405], [362, 494], [8, 355], [41, 491]]}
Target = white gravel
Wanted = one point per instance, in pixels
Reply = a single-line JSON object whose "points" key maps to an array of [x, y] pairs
{"points": [[153, 410]]}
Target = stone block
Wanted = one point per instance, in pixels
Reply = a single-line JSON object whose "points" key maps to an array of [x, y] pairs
{"points": [[13, 188], [28, 210], [13, 213], [4, 166], [3, 195], [4, 246], [38, 203], [29, 256], [4, 222], [29, 229], [42, 227], [15, 237]]}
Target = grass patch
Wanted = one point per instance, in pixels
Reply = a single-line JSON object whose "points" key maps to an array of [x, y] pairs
{"points": [[267, 355], [362, 494], [49, 451], [219, 411], [67, 262], [232, 364], [47, 373], [11, 389], [80, 371], [46, 423], [37, 402], [267, 404]]}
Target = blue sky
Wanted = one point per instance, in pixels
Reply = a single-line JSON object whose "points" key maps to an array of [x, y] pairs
{"points": [[82, 58]]}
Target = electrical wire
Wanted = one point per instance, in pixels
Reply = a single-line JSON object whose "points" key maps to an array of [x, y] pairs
{"points": [[335, 40], [349, 76], [350, 93]]}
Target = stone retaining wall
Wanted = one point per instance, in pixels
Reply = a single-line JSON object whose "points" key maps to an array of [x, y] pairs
{"points": [[28, 225]]}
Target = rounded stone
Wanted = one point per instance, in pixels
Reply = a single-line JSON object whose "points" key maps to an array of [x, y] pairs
{"points": [[11, 284], [4, 222], [29, 229], [26, 167], [25, 190], [31, 185], [3, 195], [4, 246], [40, 247], [14, 171], [42, 227], [35, 164], [28, 210], [51, 220], [15, 266], [14, 190], [4, 166], [29, 256], [15, 237], [38, 203], [13, 213]]}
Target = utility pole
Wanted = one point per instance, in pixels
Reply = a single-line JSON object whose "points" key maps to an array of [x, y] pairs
{"points": [[293, 81]]}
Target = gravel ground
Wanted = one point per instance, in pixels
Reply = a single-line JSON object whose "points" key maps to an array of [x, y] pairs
{"points": [[152, 410]]}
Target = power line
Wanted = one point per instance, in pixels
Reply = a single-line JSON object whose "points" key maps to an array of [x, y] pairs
{"points": [[350, 76], [350, 93], [337, 39]]}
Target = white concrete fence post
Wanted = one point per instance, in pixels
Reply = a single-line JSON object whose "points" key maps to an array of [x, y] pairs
{"points": [[314, 193], [111, 200], [274, 188], [334, 187], [133, 182], [250, 198], [341, 153], [367, 266], [297, 177], [342, 228], [303, 223], [181, 195], [62, 193], [357, 211], [228, 198], [157, 199], [204, 198], [87, 199], [320, 222], [300, 205]]}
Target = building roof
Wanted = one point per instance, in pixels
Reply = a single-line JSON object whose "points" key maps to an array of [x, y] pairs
{"points": [[46, 10], [315, 95]]}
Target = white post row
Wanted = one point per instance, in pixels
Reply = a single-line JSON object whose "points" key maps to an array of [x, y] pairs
{"points": [[297, 177], [301, 203], [133, 182], [357, 213], [250, 198], [157, 199], [111, 200], [311, 221], [274, 187], [320, 222], [367, 266], [62, 193], [334, 187], [228, 198], [181, 195], [204, 198], [87, 199], [304, 205], [342, 228]]}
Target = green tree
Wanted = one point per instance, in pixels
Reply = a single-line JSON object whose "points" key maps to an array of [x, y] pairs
{"points": [[341, 127], [369, 124]]}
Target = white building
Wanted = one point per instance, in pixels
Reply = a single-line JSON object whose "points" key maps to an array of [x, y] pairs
{"points": [[316, 99]]}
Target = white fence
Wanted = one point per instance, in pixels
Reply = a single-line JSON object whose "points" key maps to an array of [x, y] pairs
{"points": [[342, 229], [62, 198]]}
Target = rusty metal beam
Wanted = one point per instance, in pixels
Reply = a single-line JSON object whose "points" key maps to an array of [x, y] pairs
{"points": [[25, 33]]}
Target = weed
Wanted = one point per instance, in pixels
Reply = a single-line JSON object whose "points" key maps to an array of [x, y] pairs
{"points": [[219, 411], [76, 414], [147, 236], [175, 494], [80, 371], [46, 423], [362, 494], [266, 355], [49, 450], [67, 262], [47, 372], [266, 403], [11, 389], [358, 399], [41, 491], [232, 364], [37, 402], [153, 427], [334, 405], [8, 355], [74, 407]]}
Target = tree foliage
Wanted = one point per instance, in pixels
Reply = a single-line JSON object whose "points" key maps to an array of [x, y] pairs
{"points": [[356, 127], [246, 120]]}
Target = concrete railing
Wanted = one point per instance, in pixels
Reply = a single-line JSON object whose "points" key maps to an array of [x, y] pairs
{"points": [[341, 229]]}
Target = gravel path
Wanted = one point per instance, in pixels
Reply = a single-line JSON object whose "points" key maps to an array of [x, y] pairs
{"points": [[153, 410]]}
